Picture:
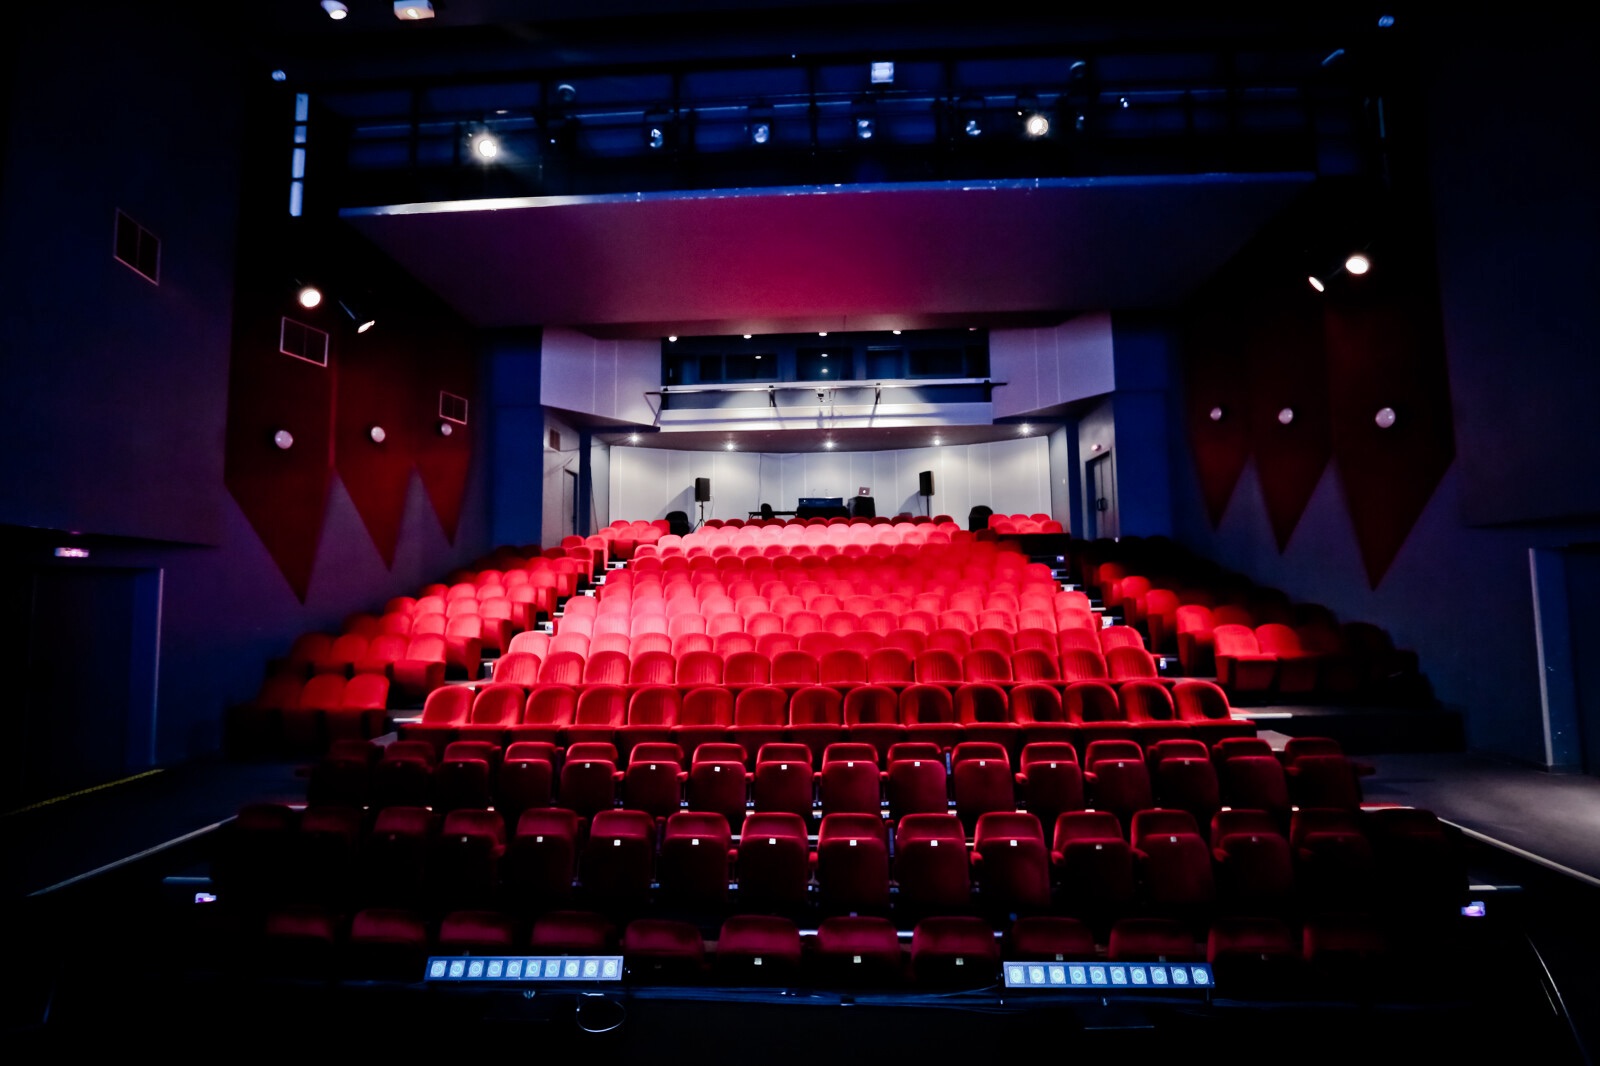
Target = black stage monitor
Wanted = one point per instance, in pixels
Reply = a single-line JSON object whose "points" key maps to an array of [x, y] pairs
{"points": [[702, 490], [925, 483]]}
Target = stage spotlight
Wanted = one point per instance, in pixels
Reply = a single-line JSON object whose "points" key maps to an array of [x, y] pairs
{"points": [[363, 322], [411, 10], [895, 332], [865, 127], [485, 146], [1385, 21], [747, 336], [672, 340], [279, 75], [973, 128], [760, 132], [1358, 264], [335, 9], [1316, 283], [822, 334], [1037, 125], [656, 137], [309, 296]]}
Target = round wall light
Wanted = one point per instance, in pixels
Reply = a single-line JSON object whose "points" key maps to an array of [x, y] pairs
{"points": [[1215, 414], [1286, 415], [283, 439], [445, 429], [1384, 417], [377, 434]]}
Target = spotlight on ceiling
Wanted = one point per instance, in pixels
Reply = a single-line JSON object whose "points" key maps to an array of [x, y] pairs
{"points": [[828, 444], [973, 127], [335, 9], [363, 322], [1358, 264], [1316, 283], [937, 441], [672, 339], [747, 336], [895, 332], [1025, 429], [760, 132], [279, 75], [865, 128], [823, 333], [657, 128], [633, 438], [1037, 125], [485, 146], [411, 10], [728, 446], [309, 296]]}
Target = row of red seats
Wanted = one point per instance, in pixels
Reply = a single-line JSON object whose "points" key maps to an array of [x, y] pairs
{"points": [[629, 862], [1008, 525], [914, 777], [1269, 645], [849, 951], [729, 641], [819, 713], [828, 664]]}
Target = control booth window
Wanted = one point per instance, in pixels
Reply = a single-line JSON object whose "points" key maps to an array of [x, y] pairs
{"points": [[824, 364]]}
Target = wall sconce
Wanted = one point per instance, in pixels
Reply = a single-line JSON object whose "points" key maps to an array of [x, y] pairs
{"points": [[1215, 414], [1286, 415], [283, 439], [1384, 418], [377, 434], [445, 429]]}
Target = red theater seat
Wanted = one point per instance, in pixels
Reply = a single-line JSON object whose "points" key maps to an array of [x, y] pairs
{"points": [[954, 950]]}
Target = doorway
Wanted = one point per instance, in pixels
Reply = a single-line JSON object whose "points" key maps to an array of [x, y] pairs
{"points": [[569, 503], [1102, 480], [90, 658]]}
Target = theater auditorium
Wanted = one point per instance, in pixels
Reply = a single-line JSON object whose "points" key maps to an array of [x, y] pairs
{"points": [[784, 530]]}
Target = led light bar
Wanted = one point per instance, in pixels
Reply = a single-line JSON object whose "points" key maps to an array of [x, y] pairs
{"points": [[1122, 976], [521, 968]]}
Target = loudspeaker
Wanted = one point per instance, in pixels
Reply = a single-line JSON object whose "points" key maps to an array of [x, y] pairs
{"points": [[702, 490], [925, 483]]}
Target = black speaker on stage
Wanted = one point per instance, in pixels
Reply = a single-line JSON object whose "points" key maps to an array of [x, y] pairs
{"points": [[925, 483], [702, 490]]}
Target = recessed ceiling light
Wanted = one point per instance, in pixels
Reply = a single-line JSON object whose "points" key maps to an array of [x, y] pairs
{"points": [[411, 10], [895, 332], [672, 340], [824, 333], [827, 444], [1316, 283], [1037, 125], [729, 446], [310, 296], [335, 9], [1026, 429], [1358, 264], [747, 336], [486, 146]]}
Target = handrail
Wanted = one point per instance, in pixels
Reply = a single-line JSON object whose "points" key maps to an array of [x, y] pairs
{"points": [[886, 383]]}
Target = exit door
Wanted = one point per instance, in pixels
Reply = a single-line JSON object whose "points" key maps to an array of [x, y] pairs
{"points": [[1103, 521]]}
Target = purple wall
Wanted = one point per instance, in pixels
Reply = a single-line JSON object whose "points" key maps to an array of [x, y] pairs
{"points": [[114, 391]]}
